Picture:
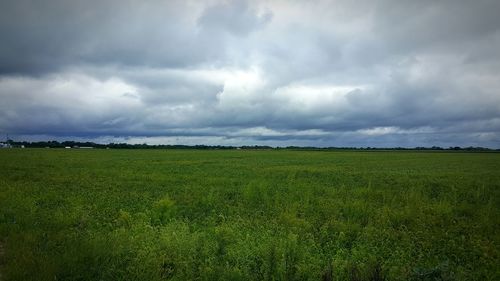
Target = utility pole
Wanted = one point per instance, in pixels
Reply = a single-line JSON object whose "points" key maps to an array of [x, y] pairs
{"points": [[8, 140]]}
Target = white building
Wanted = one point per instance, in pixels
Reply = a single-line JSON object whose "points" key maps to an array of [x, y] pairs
{"points": [[5, 145]]}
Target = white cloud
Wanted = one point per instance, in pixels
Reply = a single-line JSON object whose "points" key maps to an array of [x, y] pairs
{"points": [[379, 131]]}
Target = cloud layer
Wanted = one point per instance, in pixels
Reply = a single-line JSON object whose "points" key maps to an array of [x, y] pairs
{"points": [[323, 73]]}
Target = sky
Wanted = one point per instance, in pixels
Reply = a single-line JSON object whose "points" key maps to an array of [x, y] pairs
{"points": [[381, 73]]}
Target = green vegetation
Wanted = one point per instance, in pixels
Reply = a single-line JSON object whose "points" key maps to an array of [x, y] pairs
{"points": [[249, 215]]}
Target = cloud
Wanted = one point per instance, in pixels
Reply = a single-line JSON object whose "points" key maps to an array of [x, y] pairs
{"points": [[326, 73], [234, 17]]}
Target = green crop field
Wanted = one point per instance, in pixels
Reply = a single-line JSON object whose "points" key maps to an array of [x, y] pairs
{"points": [[248, 215]]}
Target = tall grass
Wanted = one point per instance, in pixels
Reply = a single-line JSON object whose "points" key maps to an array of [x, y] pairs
{"points": [[249, 215]]}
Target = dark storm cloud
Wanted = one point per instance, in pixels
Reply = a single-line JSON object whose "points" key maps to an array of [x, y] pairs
{"points": [[380, 73], [436, 24], [47, 36]]}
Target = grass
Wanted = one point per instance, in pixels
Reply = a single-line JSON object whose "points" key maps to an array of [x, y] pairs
{"points": [[249, 215]]}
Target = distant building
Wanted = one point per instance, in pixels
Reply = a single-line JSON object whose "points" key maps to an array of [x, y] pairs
{"points": [[5, 145]]}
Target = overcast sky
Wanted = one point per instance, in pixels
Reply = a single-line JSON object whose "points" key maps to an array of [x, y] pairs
{"points": [[322, 73]]}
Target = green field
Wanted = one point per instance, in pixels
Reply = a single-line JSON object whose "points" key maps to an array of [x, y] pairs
{"points": [[248, 215]]}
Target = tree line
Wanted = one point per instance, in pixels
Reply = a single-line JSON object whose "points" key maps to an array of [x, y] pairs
{"points": [[77, 144]]}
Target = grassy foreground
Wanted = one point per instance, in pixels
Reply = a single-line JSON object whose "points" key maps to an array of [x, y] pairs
{"points": [[249, 215]]}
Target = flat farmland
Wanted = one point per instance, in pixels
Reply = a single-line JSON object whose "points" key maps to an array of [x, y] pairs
{"points": [[68, 214]]}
